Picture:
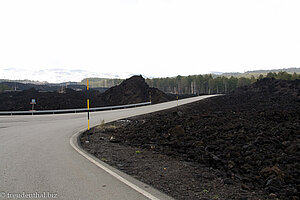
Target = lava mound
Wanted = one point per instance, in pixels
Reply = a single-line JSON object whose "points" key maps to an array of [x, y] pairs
{"points": [[133, 90]]}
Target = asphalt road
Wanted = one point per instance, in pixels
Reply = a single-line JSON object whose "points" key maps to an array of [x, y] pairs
{"points": [[36, 157]]}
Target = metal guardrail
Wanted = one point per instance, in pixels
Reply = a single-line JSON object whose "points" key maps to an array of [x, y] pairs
{"points": [[39, 112]]}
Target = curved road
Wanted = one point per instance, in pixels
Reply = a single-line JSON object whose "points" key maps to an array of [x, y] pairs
{"points": [[36, 157]]}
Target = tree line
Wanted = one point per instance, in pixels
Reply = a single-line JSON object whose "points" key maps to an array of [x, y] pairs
{"points": [[3, 87], [211, 84], [102, 82]]}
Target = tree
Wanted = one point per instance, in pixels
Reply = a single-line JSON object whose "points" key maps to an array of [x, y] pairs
{"points": [[243, 82], [295, 76], [284, 76], [271, 75], [260, 77]]}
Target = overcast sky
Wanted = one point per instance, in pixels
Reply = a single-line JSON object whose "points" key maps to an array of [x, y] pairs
{"points": [[152, 37]]}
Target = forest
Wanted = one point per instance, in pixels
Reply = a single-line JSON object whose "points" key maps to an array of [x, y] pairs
{"points": [[211, 84]]}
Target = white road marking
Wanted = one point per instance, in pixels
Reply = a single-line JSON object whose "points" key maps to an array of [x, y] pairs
{"points": [[117, 176]]}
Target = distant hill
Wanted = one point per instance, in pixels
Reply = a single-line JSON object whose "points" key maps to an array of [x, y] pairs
{"points": [[256, 73], [26, 81], [16, 86], [289, 70]]}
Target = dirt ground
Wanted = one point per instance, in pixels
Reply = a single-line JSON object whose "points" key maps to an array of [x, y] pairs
{"points": [[240, 146]]}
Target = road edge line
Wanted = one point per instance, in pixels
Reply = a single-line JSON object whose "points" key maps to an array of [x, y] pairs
{"points": [[75, 146]]}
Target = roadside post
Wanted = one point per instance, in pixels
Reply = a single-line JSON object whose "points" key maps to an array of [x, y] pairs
{"points": [[177, 100], [150, 97], [88, 108], [33, 102]]}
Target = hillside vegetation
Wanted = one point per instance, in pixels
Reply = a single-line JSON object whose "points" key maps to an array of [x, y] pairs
{"points": [[205, 84], [210, 84]]}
